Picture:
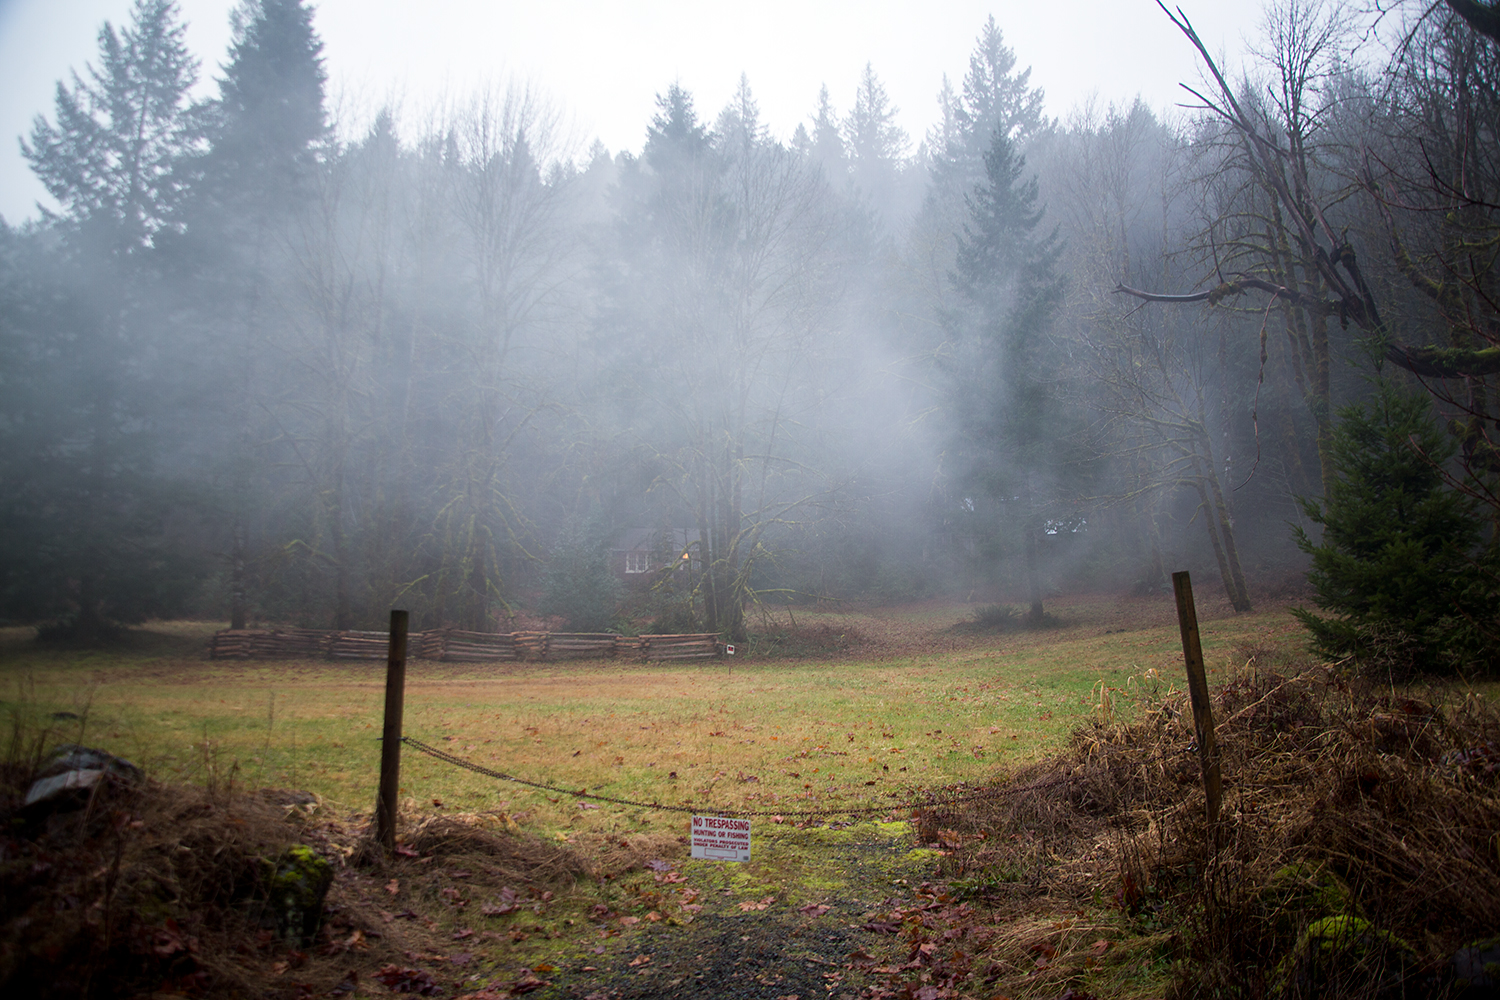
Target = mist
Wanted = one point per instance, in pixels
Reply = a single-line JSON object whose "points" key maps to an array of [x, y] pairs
{"points": [[270, 363]]}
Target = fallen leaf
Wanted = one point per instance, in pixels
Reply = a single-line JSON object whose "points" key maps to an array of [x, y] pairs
{"points": [[814, 909], [640, 960], [526, 984], [393, 886], [459, 935]]}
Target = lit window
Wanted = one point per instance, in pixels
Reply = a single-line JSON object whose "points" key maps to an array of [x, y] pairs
{"points": [[637, 562]]}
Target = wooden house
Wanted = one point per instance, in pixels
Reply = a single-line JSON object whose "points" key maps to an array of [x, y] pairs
{"points": [[641, 556]]}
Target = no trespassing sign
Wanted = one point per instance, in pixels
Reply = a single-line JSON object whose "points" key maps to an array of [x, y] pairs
{"points": [[721, 838]]}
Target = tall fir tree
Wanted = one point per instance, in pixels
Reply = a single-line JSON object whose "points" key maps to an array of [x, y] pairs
{"points": [[83, 523], [264, 134], [876, 145], [112, 159], [826, 144], [994, 99], [266, 126], [1011, 427]]}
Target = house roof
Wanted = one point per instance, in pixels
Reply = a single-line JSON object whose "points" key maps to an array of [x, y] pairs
{"points": [[646, 539]]}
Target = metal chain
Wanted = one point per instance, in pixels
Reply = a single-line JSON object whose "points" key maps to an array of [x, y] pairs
{"points": [[928, 802]]}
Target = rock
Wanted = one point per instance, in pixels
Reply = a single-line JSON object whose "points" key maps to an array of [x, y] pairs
{"points": [[299, 882], [76, 769]]}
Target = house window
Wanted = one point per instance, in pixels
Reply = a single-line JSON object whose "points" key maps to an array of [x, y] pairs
{"points": [[637, 562]]}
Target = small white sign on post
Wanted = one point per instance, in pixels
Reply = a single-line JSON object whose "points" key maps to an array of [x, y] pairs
{"points": [[721, 838]]}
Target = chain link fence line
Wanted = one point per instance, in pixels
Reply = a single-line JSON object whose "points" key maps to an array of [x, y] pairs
{"points": [[929, 800]]}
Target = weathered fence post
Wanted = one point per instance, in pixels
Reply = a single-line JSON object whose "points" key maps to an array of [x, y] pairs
{"points": [[1203, 713], [390, 746]]}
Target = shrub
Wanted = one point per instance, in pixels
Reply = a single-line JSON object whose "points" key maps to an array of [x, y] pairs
{"points": [[1399, 563], [579, 586]]}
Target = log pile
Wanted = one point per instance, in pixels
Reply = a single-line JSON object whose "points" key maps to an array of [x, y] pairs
{"points": [[680, 647], [432, 644], [581, 645], [353, 645], [530, 645], [457, 646], [271, 644]]}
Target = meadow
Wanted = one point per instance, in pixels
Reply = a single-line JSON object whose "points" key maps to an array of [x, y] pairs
{"points": [[1095, 888], [913, 706]]}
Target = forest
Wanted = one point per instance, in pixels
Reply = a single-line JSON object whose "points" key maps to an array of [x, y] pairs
{"points": [[273, 361]]}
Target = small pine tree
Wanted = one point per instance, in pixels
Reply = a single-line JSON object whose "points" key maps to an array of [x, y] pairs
{"points": [[579, 586], [1397, 562]]}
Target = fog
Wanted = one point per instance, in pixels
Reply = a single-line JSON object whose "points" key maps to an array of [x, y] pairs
{"points": [[277, 359]]}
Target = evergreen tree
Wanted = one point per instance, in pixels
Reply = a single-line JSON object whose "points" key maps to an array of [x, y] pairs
{"points": [[826, 143], [876, 145], [84, 512], [266, 126], [1012, 430], [85, 504], [579, 585], [264, 134], [113, 156], [995, 99], [739, 126], [675, 139], [1397, 563]]}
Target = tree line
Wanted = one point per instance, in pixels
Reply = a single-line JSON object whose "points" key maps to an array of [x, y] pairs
{"points": [[269, 364]]}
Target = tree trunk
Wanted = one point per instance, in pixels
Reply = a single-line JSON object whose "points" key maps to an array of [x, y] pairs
{"points": [[1033, 575], [1210, 523], [237, 577], [1221, 532]]}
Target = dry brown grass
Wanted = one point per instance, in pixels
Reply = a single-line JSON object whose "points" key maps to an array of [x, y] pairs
{"points": [[1334, 790], [161, 889]]}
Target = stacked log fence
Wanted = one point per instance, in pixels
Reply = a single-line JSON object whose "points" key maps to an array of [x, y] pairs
{"points": [[457, 646]]}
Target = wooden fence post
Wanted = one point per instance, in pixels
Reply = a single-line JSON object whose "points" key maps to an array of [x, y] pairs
{"points": [[1203, 713], [390, 745]]}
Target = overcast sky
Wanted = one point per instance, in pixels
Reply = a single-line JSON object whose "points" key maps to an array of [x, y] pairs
{"points": [[603, 62]]}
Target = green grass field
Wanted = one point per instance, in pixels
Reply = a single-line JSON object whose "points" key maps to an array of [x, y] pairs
{"points": [[927, 711]]}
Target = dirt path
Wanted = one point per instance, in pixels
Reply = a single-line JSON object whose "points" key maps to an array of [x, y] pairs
{"points": [[808, 917]]}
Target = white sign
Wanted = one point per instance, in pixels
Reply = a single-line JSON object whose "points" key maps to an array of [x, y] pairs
{"points": [[721, 838]]}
